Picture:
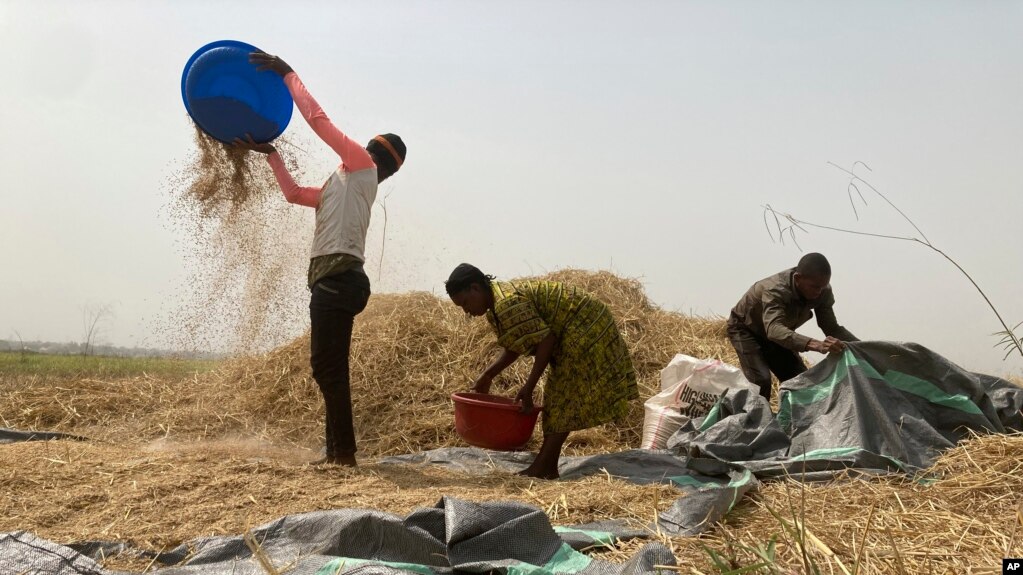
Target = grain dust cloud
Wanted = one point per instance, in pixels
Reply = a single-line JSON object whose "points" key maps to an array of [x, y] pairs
{"points": [[245, 252]]}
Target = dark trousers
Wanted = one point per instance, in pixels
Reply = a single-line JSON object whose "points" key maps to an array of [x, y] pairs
{"points": [[759, 357], [335, 302]]}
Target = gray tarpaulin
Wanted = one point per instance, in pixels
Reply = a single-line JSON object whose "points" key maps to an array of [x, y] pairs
{"points": [[455, 535], [878, 407], [15, 436], [710, 487]]}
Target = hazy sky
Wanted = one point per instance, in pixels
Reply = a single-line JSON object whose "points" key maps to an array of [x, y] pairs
{"points": [[641, 137]]}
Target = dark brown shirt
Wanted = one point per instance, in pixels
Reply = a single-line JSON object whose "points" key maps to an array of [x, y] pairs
{"points": [[772, 309]]}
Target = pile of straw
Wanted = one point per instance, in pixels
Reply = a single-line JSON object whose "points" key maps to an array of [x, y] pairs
{"points": [[410, 352]]}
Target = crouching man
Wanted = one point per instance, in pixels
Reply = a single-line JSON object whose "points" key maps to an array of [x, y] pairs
{"points": [[762, 325]]}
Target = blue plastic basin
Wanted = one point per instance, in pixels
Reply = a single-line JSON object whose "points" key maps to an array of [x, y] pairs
{"points": [[227, 98]]}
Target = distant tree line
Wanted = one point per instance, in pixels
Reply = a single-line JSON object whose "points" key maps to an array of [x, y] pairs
{"points": [[76, 348]]}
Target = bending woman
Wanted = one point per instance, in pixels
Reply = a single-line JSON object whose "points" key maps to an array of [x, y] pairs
{"points": [[572, 335], [340, 287]]}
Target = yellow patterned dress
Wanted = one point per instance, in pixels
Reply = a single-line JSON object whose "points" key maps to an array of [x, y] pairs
{"points": [[590, 379]]}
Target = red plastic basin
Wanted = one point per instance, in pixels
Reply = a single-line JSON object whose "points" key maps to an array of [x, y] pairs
{"points": [[492, 421]]}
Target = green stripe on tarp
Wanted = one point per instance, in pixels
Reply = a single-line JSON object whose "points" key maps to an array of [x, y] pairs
{"points": [[827, 453], [341, 564], [823, 389], [930, 392], [565, 560], [743, 480], [602, 537], [784, 416], [815, 393], [689, 480], [712, 417], [734, 484], [834, 452], [901, 381]]}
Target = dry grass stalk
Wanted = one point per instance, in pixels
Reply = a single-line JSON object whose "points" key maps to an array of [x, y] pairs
{"points": [[257, 551]]}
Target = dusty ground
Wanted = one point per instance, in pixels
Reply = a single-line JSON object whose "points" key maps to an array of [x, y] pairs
{"points": [[161, 494]]}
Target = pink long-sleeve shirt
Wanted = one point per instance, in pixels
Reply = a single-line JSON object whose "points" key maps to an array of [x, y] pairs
{"points": [[353, 156]]}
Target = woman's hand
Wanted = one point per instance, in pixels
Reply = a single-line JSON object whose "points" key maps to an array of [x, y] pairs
{"points": [[526, 397], [482, 384], [263, 61], [249, 144]]}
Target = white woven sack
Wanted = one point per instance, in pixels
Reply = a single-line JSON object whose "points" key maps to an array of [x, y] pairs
{"points": [[689, 388]]}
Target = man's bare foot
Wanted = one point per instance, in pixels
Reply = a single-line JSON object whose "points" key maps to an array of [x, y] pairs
{"points": [[540, 473]]}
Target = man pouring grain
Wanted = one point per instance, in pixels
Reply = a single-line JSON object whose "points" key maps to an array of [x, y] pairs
{"points": [[762, 325], [340, 287]]}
